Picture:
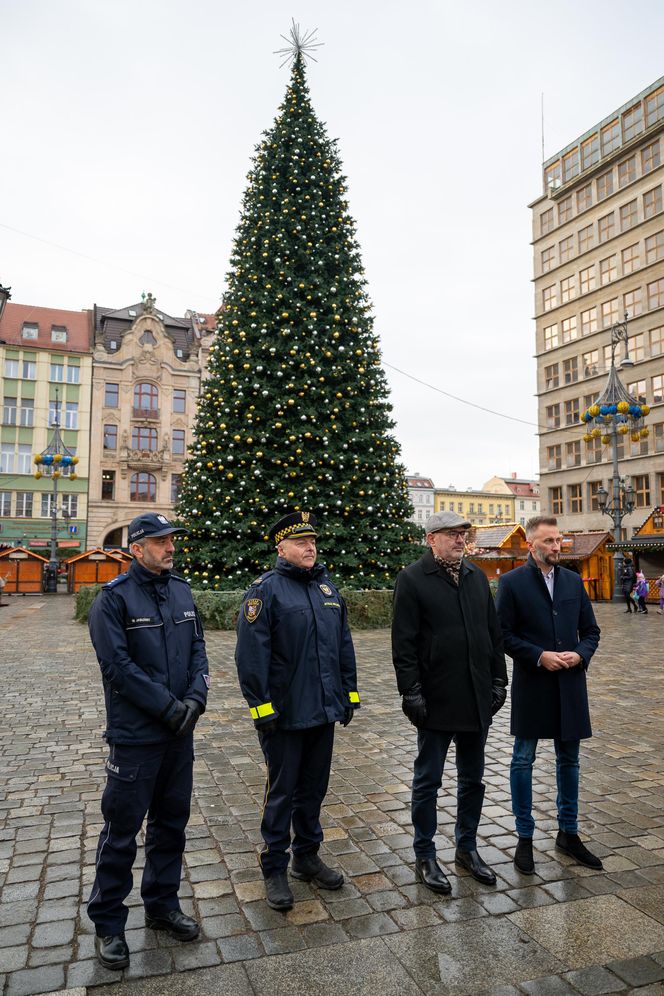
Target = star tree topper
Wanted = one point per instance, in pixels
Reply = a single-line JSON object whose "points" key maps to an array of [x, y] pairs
{"points": [[298, 43]]}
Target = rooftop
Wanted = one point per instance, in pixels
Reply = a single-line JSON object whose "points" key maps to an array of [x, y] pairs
{"points": [[45, 328]]}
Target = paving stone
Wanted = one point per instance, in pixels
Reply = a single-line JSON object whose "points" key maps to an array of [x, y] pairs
{"points": [[282, 940], [46, 979], [13, 958], [240, 948], [143, 963], [14, 935], [195, 955], [551, 985], [372, 925], [223, 926], [595, 981], [637, 971], [318, 934]]}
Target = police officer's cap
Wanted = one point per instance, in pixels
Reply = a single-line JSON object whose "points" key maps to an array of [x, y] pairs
{"points": [[292, 526], [150, 525]]}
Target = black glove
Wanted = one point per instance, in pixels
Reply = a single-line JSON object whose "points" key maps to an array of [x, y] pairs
{"points": [[498, 695], [348, 715], [414, 705], [191, 718], [267, 729], [176, 716]]}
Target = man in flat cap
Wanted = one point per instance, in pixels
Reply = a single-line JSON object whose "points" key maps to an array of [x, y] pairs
{"points": [[448, 655], [296, 666], [149, 641]]}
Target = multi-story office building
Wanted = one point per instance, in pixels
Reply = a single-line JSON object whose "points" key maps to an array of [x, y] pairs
{"points": [[46, 367], [147, 373], [526, 495], [598, 238], [481, 507], [420, 492]]}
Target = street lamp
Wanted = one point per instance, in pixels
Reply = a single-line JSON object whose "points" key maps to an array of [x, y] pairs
{"points": [[616, 413], [4, 297], [50, 463]]}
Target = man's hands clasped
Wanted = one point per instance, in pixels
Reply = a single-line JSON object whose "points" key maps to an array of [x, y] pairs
{"points": [[553, 661], [184, 717]]}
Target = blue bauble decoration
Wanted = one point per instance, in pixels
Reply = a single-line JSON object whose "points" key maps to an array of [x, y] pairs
{"points": [[47, 458]]}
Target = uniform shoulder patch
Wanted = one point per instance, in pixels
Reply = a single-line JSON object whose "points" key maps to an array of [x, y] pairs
{"points": [[116, 581], [257, 581], [252, 609]]}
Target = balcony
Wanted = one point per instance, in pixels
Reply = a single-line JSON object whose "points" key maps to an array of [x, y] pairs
{"points": [[146, 413]]}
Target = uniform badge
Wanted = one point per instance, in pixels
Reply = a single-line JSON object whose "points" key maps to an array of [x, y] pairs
{"points": [[325, 588], [252, 609]]}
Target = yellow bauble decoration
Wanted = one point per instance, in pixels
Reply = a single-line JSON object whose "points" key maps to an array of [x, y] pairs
{"points": [[587, 437], [72, 477], [623, 429], [645, 409], [644, 433], [38, 475], [595, 433], [635, 437], [594, 410], [623, 407]]}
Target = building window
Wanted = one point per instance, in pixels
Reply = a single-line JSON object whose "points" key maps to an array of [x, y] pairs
{"points": [[29, 370], [638, 390], [584, 198], [566, 248], [611, 137], [107, 485], [554, 457], [11, 367], [71, 415], [9, 411], [110, 437], [589, 321], [575, 498], [143, 438], [656, 294], [626, 171], [572, 411], [654, 247], [606, 227], [176, 487], [564, 210], [632, 122], [630, 259], [178, 442], [45, 511], [610, 312], [459, 507], [57, 373], [608, 270], [553, 416], [590, 399], [5, 503], [553, 175], [604, 185], [58, 333], [570, 165], [590, 362], [628, 215], [24, 459], [550, 336], [571, 370], [70, 506], [657, 341], [585, 238], [593, 495], [573, 454], [654, 107], [556, 501], [650, 157], [567, 289], [30, 330], [546, 221], [632, 302], [7, 454], [637, 346], [146, 399], [27, 412], [179, 401], [148, 339], [652, 202], [568, 328], [111, 395], [143, 487], [24, 504], [658, 436], [552, 377], [641, 485], [657, 389], [638, 447], [471, 507], [590, 152], [587, 279], [594, 450], [73, 374], [547, 259], [549, 297]]}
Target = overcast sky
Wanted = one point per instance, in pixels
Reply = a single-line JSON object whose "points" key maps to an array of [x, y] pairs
{"points": [[126, 133]]}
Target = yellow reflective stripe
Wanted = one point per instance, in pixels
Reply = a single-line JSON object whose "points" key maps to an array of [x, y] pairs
{"points": [[354, 696], [258, 712]]}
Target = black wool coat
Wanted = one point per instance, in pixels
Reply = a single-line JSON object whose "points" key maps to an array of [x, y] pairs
{"points": [[447, 638], [545, 703]]}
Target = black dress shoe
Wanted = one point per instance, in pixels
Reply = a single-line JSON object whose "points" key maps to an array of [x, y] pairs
{"points": [[523, 856], [472, 862], [112, 952], [571, 843], [279, 896], [429, 873], [310, 868], [176, 923]]}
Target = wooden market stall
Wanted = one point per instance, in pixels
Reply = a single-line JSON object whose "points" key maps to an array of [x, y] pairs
{"points": [[497, 548], [647, 549], [22, 570], [588, 554], [92, 567]]}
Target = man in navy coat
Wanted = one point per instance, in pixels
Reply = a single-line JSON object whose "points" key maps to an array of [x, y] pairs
{"points": [[550, 632]]}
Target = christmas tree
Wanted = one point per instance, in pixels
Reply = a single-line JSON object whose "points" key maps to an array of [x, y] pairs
{"points": [[295, 411]]}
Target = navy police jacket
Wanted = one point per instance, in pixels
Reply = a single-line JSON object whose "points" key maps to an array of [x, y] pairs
{"points": [[149, 642], [294, 654]]}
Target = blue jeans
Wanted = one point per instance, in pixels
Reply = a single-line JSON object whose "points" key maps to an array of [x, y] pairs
{"points": [[567, 780], [427, 779]]}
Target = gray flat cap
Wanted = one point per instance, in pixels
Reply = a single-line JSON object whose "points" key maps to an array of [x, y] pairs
{"points": [[446, 520]]}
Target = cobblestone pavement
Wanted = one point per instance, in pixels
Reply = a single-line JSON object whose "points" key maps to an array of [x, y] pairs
{"points": [[564, 930]]}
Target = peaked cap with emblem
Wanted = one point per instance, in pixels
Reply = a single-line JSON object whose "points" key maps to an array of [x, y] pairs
{"points": [[293, 525], [150, 524]]}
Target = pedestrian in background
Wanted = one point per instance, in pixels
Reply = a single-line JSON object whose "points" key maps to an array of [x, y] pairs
{"points": [[627, 579], [149, 641], [660, 586], [641, 592], [551, 634], [296, 666], [447, 651]]}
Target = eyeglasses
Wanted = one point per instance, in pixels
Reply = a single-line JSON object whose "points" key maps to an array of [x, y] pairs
{"points": [[455, 533]]}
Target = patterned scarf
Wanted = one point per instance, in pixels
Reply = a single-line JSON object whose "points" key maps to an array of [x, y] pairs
{"points": [[451, 567]]}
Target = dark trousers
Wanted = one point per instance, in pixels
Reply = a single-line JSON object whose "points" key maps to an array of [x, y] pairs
{"points": [[298, 771], [631, 607], [155, 779], [427, 779]]}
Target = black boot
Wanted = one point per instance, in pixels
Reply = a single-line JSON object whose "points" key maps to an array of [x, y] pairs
{"points": [[279, 896], [429, 873], [571, 843], [472, 862], [176, 923], [112, 952], [310, 868], [523, 856]]}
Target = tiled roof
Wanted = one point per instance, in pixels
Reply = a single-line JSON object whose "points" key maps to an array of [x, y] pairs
{"points": [[578, 546], [523, 489], [493, 536], [76, 323], [419, 482]]}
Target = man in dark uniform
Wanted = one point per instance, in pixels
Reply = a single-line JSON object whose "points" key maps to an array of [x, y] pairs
{"points": [[627, 579], [448, 656], [149, 641], [296, 666]]}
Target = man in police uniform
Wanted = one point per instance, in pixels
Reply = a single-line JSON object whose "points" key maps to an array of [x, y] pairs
{"points": [[296, 665], [149, 641]]}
